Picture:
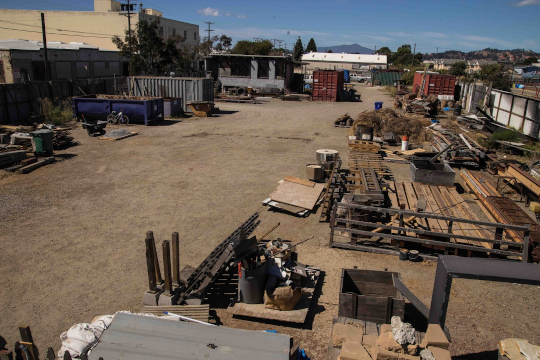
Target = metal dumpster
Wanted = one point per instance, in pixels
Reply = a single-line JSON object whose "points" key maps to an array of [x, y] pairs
{"points": [[172, 107], [140, 110]]}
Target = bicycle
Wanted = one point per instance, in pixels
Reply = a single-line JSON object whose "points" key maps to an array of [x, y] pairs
{"points": [[117, 118]]}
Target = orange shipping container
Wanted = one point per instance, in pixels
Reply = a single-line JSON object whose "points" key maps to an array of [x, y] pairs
{"points": [[436, 84], [327, 85]]}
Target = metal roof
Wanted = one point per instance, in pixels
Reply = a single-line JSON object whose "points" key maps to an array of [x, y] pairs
{"points": [[19, 44], [345, 58], [213, 55], [137, 337]]}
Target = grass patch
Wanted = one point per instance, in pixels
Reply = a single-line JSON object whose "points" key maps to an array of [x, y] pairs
{"points": [[56, 115], [506, 135], [390, 90]]}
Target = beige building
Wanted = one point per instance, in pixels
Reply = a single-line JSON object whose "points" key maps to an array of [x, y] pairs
{"points": [[91, 27]]}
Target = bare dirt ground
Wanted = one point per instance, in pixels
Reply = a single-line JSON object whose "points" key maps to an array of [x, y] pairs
{"points": [[72, 233]]}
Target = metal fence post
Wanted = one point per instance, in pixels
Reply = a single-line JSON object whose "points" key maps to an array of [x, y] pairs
{"points": [[332, 224], [526, 244]]}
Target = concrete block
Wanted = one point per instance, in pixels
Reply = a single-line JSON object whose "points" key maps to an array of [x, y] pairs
{"points": [[386, 355], [403, 332], [168, 299], [435, 337], [353, 351], [4, 138], [440, 354], [426, 355], [386, 328], [387, 342], [343, 333], [151, 298]]}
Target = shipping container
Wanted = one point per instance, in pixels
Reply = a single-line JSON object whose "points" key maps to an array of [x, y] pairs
{"points": [[139, 110], [327, 85], [385, 78], [436, 84], [187, 89]]}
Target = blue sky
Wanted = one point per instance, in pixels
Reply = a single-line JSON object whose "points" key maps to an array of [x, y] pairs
{"points": [[456, 25]]}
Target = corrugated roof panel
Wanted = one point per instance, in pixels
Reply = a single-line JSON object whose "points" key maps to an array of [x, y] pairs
{"points": [[345, 58], [137, 337]]}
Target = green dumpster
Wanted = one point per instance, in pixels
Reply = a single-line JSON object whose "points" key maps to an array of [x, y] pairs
{"points": [[43, 142]]}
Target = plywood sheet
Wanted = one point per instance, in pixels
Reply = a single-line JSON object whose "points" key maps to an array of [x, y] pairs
{"points": [[298, 195]]}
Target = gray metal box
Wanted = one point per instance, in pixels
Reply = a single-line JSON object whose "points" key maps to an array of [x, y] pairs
{"points": [[435, 174]]}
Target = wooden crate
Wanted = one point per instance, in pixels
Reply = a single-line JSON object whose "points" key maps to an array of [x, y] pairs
{"points": [[370, 295]]}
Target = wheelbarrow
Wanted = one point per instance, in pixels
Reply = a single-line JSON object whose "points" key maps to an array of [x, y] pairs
{"points": [[97, 128]]}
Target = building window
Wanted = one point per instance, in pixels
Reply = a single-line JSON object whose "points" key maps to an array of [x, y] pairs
{"points": [[194, 36], [174, 32], [240, 67], [185, 34], [280, 69], [264, 69], [63, 70]]}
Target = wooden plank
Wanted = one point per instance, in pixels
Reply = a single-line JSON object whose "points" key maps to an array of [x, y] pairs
{"points": [[431, 224], [300, 181], [392, 195], [456, 209], [471, 215], [197, 312], [297, 195], [402, 197], [434, 207], [443, 206], [413, 201], [29, 168], [524, 178]]}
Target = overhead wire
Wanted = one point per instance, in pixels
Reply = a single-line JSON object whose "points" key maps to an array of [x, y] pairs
{"points": [[50, 28]]}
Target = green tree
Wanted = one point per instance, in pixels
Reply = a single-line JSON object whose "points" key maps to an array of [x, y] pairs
{"points": [[530, 61], [385, 50], [408, 77], [459, 68], [329, 51], [495, 74], [247, 47], [298, 50], [311, 46], [146, 49]]}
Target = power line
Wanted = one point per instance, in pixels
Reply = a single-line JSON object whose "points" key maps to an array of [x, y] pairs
{"points": [[39, 32], [209, 30], [72, 31]]}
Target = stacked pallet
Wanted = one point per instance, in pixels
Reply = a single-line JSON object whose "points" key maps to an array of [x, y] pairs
{"points": [[439, 200], [503, 210], [13, 157]]}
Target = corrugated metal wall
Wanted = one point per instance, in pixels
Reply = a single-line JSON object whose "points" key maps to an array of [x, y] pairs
{"points": [[386, 78], [188, 89], [327, 85]]}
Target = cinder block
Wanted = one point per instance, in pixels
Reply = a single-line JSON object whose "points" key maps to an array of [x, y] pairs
{"points": [[168, 299], [435, 337], [343, 333], [386, 341], [151, 298], [386, 355], [440, 354], [353, 351]]}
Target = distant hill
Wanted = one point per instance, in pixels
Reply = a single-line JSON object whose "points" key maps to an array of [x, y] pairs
{"points": [[348, 49], [516, 55]]}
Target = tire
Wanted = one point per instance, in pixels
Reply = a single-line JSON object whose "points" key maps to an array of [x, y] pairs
{"points": [[111, 119], [124, 120]]}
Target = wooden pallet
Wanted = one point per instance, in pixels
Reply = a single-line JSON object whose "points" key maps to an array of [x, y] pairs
{"points": [[196, 312], [120, 138]]}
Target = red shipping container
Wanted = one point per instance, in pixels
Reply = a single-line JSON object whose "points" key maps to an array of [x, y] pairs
{"points": [[327, 85], [436, 84]]}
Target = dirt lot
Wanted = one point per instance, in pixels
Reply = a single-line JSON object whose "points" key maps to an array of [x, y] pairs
{"points": [[72, 233]]}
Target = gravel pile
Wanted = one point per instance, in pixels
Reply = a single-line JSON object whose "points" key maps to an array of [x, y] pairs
{"points": [[115, 134]]}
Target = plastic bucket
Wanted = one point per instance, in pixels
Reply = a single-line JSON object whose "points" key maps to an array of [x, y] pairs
{"points": [[404, 142], [403, 254], [251, 284], [414, 255], [378, 105]]}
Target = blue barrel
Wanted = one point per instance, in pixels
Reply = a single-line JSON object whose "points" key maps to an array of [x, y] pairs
{"points": [[378, 105]]}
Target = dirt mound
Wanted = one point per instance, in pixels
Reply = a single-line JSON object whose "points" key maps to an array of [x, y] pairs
{"points": [[387, 120]]}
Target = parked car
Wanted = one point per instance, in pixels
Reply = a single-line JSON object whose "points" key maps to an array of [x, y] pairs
{"points": [[360, 78]]}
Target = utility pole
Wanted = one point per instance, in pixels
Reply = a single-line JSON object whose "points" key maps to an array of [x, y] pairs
{"points": [[375, 51], [257, 39], [414, 52], [209, 30], [47, 73], [128, 14]]}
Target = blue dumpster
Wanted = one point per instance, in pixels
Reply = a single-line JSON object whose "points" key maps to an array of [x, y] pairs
{"points": [[378, 105], [139, 110]]}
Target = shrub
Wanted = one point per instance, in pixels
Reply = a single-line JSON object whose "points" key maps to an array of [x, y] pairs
{"points": [[56, 115]]}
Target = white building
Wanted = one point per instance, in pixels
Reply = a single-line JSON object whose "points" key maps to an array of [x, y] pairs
{"points": [[351, 62]]}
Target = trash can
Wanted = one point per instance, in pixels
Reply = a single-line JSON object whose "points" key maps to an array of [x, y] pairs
{"points": [[43, 142], [457, 110], [251, 284], [378, 105]]}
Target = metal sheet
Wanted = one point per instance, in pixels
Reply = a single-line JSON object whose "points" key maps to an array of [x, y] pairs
{"points": [[138, 337], [188, 89]]}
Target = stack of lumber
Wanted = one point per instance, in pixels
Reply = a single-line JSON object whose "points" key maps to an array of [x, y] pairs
{"points": [[440, 200], [9, 158], [196, 312], [361, 146], [503, 210], [62, 139]]}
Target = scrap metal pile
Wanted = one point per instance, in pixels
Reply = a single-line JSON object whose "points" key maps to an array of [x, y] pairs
{"points": [[411, 104], [462, 150]]}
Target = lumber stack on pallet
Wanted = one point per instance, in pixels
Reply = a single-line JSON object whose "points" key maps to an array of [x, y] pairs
{"points": [[196, 312], [12, 157], [503, 210]]}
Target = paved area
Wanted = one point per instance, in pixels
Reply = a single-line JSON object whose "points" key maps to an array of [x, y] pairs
{"points": [[72, 233]]}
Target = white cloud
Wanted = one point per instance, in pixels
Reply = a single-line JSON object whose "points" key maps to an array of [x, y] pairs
{"points": [[528, 2], [399, 34], [209, 12], [484, 40], [228, 14], [434, 35], [240, 16], [378, 38]]}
